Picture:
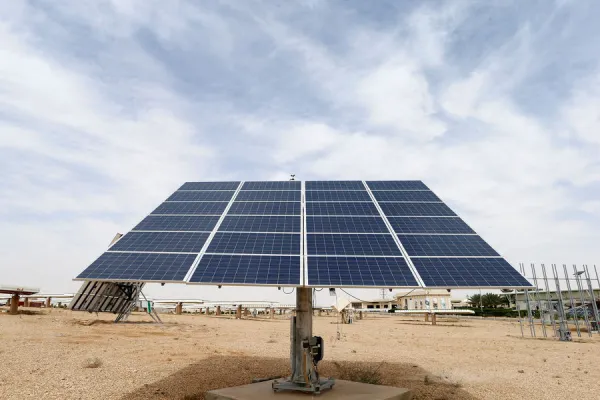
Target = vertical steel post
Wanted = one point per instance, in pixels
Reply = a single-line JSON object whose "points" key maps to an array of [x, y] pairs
{"points": [[582, 297], [303, 331], [519, 311], [548, 299], [571, 301], [528, 305], [564, 327], [593, 298], [537, 298]]}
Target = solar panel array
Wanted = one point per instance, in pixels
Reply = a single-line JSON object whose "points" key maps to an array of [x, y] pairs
{"points": [[313, 233]]}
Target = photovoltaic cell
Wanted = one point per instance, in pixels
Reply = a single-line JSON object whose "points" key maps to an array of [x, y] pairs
{"points": [[139, 267], [264, 208], [446, 245], [405, 195], [429, 225], [191, 208], [272, 185], [261, 224], [349, 209], [334, 185], [396, 185], [416, 209], [472, 272], [337, 195], [184, 242], [257, 270], [255, 243], [204, 195], [346, 225], [359, 271], [210, 186], [177, 223], [358, 244], [269, 195]]}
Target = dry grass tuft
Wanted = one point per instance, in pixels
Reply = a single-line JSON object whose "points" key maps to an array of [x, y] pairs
{"points": [[92, 363], [364, 373]]}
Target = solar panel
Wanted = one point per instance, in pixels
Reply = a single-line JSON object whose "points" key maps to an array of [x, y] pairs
{"points": [[349, 209], [468, 272], [359, 272], [272, 185], [416, 209], [255, 270], [446, 245], [264, 208], [191, 208], [346, 225], [268, 223], [334, 185], [184, 242], [255, 243], [139, 267], [396, 185], [271, 195], [429, 225], [210, 186], [352, 245], [405, 195], [204, 195], [337, 195], [177, 223], [325, 233]]}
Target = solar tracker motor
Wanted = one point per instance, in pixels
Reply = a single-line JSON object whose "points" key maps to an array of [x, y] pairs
{"points": [[316, 347]]}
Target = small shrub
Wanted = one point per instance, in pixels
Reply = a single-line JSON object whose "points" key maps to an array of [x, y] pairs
{"points": [[92, 363], [362, 373]]}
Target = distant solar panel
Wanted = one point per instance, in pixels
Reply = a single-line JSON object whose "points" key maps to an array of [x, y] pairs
{"points": [[334, 185], [203, 195], [337, 195], [270, 195], [359, 272], [349, 209], [405, 195], [248, 270], [325, 233], [373, 224]]}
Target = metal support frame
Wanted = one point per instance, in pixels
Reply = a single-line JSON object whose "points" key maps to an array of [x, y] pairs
{"points": [[588, 279], [571, 301], [582, 297], [564, 333], [305, 376]]}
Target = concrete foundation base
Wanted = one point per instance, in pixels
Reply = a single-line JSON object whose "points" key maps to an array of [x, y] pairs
{"points": [[342, 390]]}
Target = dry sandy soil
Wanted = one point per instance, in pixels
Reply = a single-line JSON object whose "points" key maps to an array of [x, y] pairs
{"points": [[61, 354]]}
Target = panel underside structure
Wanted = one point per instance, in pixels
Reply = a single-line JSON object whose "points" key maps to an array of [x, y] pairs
{"points": [[382, 234]]}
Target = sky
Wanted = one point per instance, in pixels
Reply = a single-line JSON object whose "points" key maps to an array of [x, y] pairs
{"points": [[106, 107]]}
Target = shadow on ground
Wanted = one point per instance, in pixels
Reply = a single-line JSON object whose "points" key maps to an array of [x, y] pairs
{"points": [[192, 382]]}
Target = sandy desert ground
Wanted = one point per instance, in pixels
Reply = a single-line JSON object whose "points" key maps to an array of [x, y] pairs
{"points": [[59, 354]]}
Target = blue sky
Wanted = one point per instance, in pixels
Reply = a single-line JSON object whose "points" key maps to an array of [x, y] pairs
{"points": [[108, 106]]}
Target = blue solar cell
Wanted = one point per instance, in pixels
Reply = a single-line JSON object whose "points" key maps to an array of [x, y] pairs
{"points": [[210, 186], [346, 225], [255, 243], [416, 209], [250, 270], [349, 209], [261, 224], [177, 223], [191, 208], [338, 195], [139, 267], [446, 245], [405, 195], [269, 195], [183, 242], [334, 185], [272, 185], [264, 208], [429, 225], [359, 272], [396, 185], [204, 195], [471, 272], [352, 245]]}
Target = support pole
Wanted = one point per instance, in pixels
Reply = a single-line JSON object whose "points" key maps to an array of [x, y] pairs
{"points": [[26, 302], [433, 319], [218, 310], [238, 312], [272, 313], [300, 367], [14, 304], [48, 302], [178, 308]]}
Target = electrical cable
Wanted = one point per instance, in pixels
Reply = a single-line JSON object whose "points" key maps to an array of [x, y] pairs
{"points": [[283, 289], [364, 301]]}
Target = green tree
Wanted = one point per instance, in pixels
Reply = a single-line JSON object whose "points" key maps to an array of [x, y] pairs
{"points": [[474, 300]]}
